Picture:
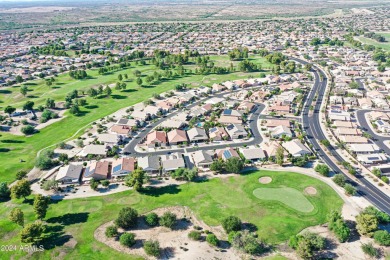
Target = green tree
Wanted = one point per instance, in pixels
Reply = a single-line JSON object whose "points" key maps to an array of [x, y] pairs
{"points": [[279, 155], [120, 77], [32, 233], [108, 91], [111, 231], [94, 184], [9, 110], [16, 215], [212, 239], [366, 224], [338, 226], [151, 219], [21, 174], [27, 130], [139, 82], [22, 188], [23, 91], [29, 105], [231, 223], [4, 191], [234, 165], [127, 218], [217, 166], [381, 216], [152, 248], [127, 239], [168, 219], [247, 242], [339, 179], [322, 169], [349, 189], [136, 179], [41, 203], [382, 237]]}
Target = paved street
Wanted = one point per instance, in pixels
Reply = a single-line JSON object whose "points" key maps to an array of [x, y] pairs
{"points": [[315, 134]]}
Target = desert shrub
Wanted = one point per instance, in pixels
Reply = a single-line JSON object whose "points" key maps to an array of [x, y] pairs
{"points": [[212, 239], [111, 231], [194, 235], [127, 239], [152, 248], [151, 219], [168, 220]]}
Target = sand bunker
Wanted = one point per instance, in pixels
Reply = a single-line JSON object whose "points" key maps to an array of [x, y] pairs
{"points": [[311, 190], [265, 180]]}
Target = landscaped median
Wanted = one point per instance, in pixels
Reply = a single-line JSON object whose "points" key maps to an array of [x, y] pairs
{"points": [[211, 201]]}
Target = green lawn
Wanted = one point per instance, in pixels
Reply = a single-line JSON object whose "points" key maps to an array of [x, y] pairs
{"points": [[287, 196], [13, 149], [211, 201], [383, 45]]}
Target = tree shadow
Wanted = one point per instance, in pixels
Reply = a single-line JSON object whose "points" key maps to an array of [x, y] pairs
{"points": [[148, 86], [55, 236], [82, 113], [10, 141], [129, 90], [55, 87], [4, 150], [30, 84], [5, 91], [91, 106], [118, 97], [32, 96], [70, 218], [156, 192], [250, 227]]}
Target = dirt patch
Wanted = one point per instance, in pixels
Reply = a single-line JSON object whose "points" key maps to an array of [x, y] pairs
{"points": [[265, 180], [175, 243], [195, 84], [311, 190]]}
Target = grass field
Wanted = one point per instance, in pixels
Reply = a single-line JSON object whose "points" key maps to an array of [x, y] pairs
{"points": [[383, 45], [211, 201], [287, 196], [13, 149]]}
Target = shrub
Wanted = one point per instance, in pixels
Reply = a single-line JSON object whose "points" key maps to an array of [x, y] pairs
{"points": [[152, 248], [151, 219], [168, 220], [322, 169], [127, 239], [231, 223], [127, 218], [366, 224], [28, 130], [212, 239], [247, 242], [111, 231], [370, 250], [21, 174], [349, 189], [382, 237], [339, 179], [194, 235], [381, 216]]}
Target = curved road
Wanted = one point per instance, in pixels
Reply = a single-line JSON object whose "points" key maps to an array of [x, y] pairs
{"points": [[252, 123], [314, 132], [378, 139]]}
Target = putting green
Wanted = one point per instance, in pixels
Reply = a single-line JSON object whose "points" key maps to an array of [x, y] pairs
{"points": [[288, 196]]}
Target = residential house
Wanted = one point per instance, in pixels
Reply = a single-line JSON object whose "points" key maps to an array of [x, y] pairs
{"points": [[172, 162], [281, 131], [69, 174], [227, 153], [156, 138], [176, 137], [218, 133], [364, 148], [122, 166], [202, 159], [253, 154], [296, 148], [197, 134], [108, 139], [98, 170], [150, 164], [230, 116], [236, 131], [93, 149]]}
